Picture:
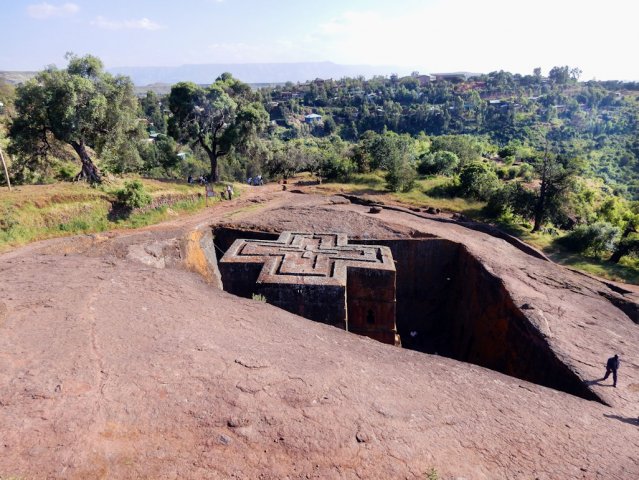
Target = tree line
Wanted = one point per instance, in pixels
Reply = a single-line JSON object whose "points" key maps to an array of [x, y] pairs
{"points": [[552, 150]]}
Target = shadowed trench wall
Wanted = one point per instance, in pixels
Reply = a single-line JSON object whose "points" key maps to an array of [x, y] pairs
{"points": [[455, 308], [449, 304]]}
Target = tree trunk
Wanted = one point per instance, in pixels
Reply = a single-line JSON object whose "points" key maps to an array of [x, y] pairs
{"points": [[214, 170], [538, 216], [89, 171], [622, 248], [6, 172], [540, 207], [213, 156], [539, 210], [619, 252]]}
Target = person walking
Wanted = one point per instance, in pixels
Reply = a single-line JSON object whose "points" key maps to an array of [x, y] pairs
{"points": [[229, 191], [611, 367]]}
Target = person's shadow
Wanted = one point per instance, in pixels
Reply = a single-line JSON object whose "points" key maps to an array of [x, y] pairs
{"points": [[597, 382], [630, 420]]}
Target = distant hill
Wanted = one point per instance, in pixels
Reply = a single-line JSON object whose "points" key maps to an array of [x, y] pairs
{"points": [[165, 88], [15, 78], [253, 72], [161, 88], [160, 79]]}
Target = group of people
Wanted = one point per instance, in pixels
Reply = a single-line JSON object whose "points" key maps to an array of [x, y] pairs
{"points": [[227, 192], [202, 180], [256, 180]]}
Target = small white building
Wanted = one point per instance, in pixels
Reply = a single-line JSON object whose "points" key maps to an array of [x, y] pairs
{"points": [[313, 118]]}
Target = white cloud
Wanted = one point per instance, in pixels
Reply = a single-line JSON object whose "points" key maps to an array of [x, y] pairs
{"points": [[46, 10], [141, 24]]}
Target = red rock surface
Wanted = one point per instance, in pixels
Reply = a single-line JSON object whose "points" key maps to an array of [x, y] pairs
{"points": [[118, 362], [573, 311]]}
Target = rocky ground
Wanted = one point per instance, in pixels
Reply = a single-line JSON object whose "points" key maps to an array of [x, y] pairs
{"points": [[120, 359]]}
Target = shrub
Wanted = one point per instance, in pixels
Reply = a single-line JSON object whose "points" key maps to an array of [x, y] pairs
{"points": [[74, 226], [442, 162], [8, 218], [526, 172], [509, 150], [502, 173], [66, 172], [593, 239], [432, 474], [499, 202], [477, 180], [401, 175], [512, 197], [133, 195], [466, 147], [334, 167]]}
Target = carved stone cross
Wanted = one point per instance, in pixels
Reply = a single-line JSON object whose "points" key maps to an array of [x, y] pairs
{"points": [[318, 276]]}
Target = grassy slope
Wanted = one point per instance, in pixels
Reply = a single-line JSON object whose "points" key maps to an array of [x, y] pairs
{"points": [[36, 212], [626, 271], [425, 193]]}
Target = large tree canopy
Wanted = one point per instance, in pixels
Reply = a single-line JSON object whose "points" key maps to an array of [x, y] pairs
{"points": [[218, 118], [82, 106]]}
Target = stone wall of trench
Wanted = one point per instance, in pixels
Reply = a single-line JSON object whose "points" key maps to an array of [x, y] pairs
{"points": [[449, 304], [454, 307]]}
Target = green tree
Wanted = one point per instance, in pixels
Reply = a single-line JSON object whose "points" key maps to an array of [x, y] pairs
{"points": [[559, 75], [556, 176], [401, 173], [7, 97], [441, 162], [161, 153], [591, 239], [335, 167], [467, 148], [216, 118], [537, 73], [628, 244], [293, 156], [512, 197], [82, 106], [478, 180], [152, 109]]}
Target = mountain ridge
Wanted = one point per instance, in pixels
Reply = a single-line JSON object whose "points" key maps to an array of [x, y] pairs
{"points": [[257, 74], [254, 72]]}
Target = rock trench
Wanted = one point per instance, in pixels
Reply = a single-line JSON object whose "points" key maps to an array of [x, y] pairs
{"points": [[449, 304]]}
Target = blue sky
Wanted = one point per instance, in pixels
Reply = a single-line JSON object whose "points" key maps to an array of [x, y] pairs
{"points": [[428, 35]]}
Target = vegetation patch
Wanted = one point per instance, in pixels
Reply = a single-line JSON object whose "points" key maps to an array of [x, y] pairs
{"points": [[133, 195], [551, 158], [28, 213]]}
